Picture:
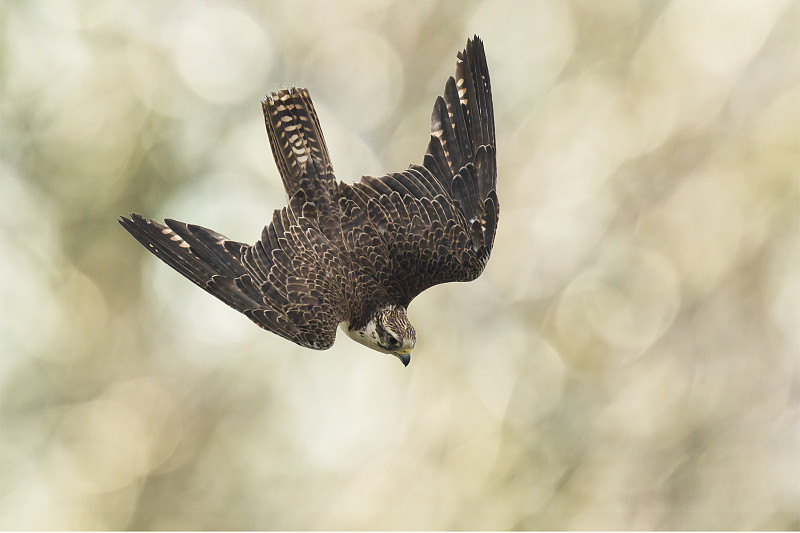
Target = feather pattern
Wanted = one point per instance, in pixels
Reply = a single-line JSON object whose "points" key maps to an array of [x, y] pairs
{"points": [[339, 252]]}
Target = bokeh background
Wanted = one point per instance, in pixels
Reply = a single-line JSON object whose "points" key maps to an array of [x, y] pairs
{"points": [[629, 358]]}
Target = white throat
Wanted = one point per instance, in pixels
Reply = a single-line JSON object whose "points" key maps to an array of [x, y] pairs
{"points": [[367, 336]]}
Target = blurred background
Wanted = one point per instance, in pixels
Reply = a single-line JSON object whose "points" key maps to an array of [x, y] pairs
{"points": [[629, 358]]}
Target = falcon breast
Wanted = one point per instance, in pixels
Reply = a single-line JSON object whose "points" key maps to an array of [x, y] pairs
{"points": [[354, 255]]}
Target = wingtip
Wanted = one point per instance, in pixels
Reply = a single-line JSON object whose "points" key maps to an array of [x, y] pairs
{"points": [[133, 220], [474, 46], [122, 219]]}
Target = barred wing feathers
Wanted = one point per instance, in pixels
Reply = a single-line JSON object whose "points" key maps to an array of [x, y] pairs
{"points": [[436, 223], [283, 282]]}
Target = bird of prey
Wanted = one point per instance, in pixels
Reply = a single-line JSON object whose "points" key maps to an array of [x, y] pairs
{"points": [[354, 255]]}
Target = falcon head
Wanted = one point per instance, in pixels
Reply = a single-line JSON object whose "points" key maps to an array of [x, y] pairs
{"points": [[388, 331]]}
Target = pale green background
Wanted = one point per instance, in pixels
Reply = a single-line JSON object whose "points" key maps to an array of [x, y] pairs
{"points": [[629, 359]]}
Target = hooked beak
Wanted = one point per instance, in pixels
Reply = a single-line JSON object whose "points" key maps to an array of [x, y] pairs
{"points": [[404, 356]]}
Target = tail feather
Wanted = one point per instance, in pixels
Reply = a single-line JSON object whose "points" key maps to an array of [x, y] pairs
{"points": [[296, 139]]}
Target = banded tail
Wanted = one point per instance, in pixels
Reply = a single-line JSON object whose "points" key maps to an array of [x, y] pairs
{"points": [[296, 139]]}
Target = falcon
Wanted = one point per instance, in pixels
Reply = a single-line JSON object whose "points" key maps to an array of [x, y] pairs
{"points": [[354, 255]]}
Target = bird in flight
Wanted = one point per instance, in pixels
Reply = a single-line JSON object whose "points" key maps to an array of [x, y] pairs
{"points": [[354, 255]]}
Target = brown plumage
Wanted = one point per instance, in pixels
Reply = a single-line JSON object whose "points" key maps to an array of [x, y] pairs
{"points": [[355, 254]]}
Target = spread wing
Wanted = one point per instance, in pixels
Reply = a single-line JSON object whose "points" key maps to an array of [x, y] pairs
{"points": [[286, 282], [435, 223]]}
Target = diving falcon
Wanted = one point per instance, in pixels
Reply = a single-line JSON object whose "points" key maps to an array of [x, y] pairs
{"points": [[354, 255]]}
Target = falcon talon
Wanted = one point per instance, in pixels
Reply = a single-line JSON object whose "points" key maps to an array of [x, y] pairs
{"points": [[354, 255]]}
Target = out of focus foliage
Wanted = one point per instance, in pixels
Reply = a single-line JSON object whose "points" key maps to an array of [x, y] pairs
{"points": [[629, 359]]}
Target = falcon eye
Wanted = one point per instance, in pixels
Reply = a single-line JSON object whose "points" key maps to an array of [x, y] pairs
{"points": [[393, 342]]}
